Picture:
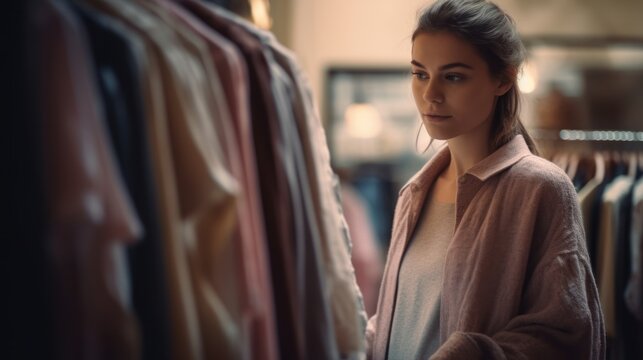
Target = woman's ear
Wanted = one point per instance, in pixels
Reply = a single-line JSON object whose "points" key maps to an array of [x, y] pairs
{"points": [[506, 82], [503, 87]]}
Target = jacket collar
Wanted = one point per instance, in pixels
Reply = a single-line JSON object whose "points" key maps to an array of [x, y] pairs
{"points": [[499, 160]]}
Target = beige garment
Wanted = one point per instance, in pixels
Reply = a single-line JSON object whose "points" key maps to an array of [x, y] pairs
{"points": [[207, 192], [517, 278], [218, 270], [609, 230], [252, 305], [192, 183], [346, 300], [415, 330], [91, 218]]}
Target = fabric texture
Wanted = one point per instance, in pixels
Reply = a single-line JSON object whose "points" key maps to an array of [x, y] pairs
{"points": [[517, 278]]}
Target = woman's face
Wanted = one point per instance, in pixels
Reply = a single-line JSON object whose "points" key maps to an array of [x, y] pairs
{"points": [[453, 89]]}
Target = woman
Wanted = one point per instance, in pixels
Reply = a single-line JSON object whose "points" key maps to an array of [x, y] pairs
{"points": [[488, 257]]}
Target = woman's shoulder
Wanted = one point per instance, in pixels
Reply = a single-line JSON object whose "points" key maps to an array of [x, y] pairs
{"points": [[535, 172]]}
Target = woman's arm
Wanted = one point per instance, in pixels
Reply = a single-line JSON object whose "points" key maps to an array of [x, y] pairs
{"points": [[562, 319]]}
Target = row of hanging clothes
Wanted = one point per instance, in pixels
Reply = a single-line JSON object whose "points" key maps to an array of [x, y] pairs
{"points": [[182, 176], [608, 177]]}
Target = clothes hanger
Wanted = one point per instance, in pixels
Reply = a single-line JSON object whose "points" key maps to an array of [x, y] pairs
{"points": [[560, 159], [599, 161], [632, 160], [572, 165], [586, 167]]}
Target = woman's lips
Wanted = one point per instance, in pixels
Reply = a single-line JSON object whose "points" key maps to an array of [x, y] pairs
{"points": [[437, 117]]}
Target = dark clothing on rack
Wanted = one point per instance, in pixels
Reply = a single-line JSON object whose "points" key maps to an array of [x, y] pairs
{"points": [[590, 200], [634, 291], [609, 216], [117, 73], [628, 329]]}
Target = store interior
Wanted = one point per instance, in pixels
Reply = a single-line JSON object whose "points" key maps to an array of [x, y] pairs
{"points": [[217, 179]]}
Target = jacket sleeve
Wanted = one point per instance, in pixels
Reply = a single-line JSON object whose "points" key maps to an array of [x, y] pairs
{"points": [[561, 319]]}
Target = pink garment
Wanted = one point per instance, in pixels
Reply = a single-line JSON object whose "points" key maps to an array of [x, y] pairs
{"points": [[91, 218], [230, 118], [517, 278]]}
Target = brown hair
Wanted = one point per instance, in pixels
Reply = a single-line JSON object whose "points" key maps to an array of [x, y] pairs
{"points": [[493, 33]]}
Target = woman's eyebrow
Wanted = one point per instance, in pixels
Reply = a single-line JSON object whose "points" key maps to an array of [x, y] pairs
{"points": [[417, 63], [444, 67], [454, 65]]}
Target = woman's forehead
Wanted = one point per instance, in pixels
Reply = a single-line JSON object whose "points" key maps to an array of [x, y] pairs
{"points": [[435, 50]]}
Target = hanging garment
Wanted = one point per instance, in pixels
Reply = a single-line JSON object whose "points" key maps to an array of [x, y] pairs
{"points": [[165, 93], [634, 291], [118, 70], [611, 225], [216, 258], [91, 218], [623, 327], [589, 198], [249, 252], [189, 139], [347, 306], [272, 161]]}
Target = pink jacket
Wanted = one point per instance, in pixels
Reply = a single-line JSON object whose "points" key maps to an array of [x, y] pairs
{"points": [[517, 278]]}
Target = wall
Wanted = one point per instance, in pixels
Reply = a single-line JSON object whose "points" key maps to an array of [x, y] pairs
{"points": [[377, 32]]}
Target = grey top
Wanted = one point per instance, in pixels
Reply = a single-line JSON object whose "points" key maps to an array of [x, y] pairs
{"points": [[415, 331]]}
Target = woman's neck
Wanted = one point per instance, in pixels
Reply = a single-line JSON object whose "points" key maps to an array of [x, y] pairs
{"points": [[466, 151]]}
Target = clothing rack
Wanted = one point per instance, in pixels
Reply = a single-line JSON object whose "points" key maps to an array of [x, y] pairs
{"points": [[588, 135], [590, 140], [605, 167], [177, 188]]}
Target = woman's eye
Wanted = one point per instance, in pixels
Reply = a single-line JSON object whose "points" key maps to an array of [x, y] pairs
{"points": [[419, 75], [454, 77]]}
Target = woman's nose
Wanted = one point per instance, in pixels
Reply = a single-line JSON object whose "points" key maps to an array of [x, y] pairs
{"points": [[433, 93]]}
